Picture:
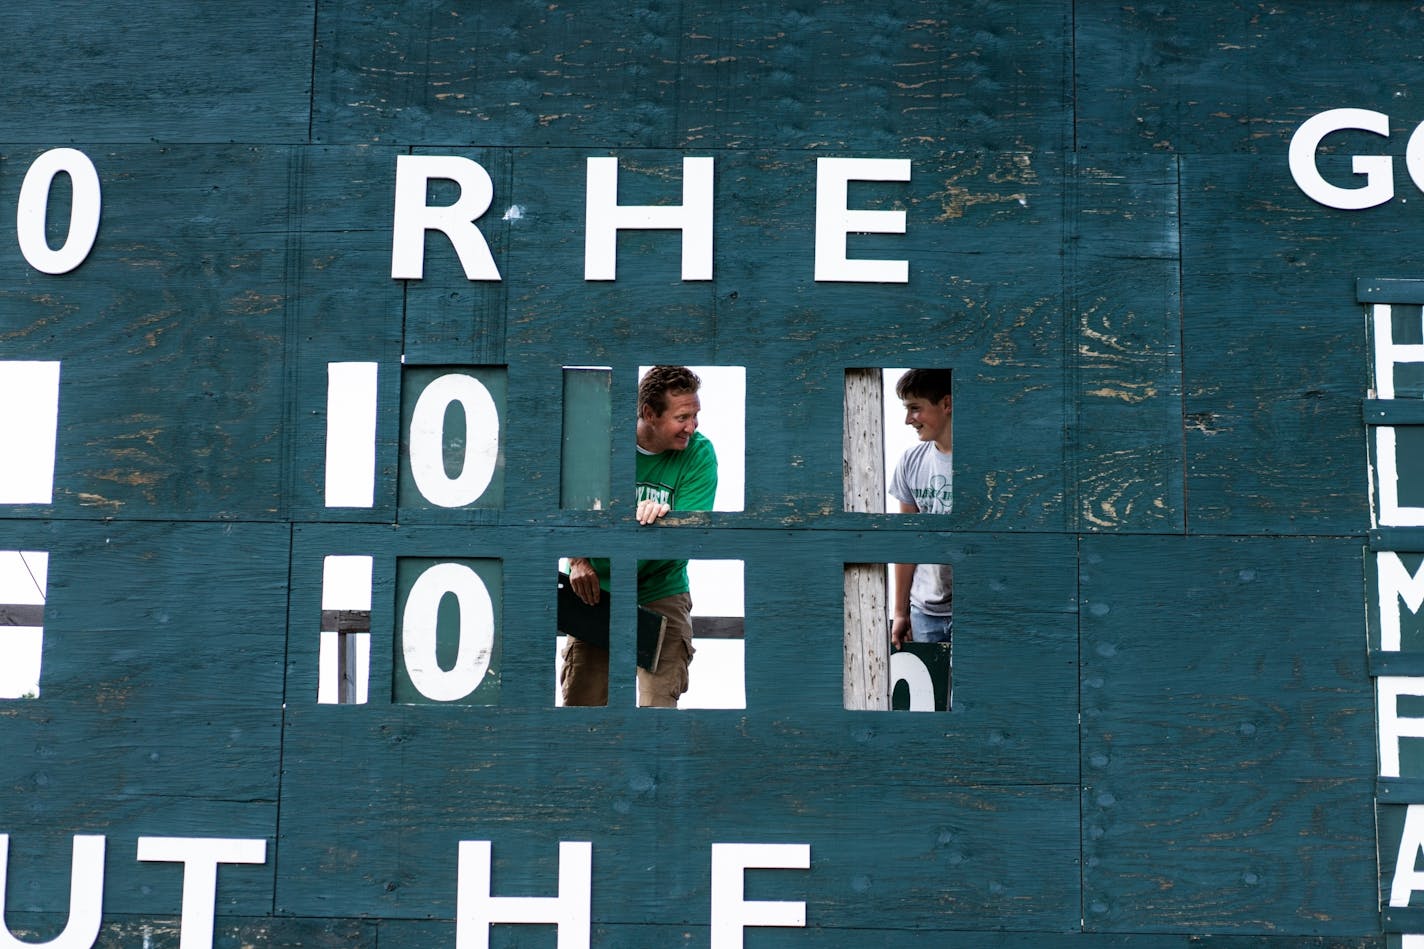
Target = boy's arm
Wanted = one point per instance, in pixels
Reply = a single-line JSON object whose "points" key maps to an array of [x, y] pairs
{"points": [[904, 575]]}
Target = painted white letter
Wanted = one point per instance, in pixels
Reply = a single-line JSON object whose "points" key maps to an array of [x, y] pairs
{"points": [[86, 896], [1396, 584], [84, 210], [476, 910], [604, 217], [1391, 726], [200, 857], [730, 912], [413, 217], [1377, 169], [834, 220], [1406, 878], [1388, 353], [1391, 512]]}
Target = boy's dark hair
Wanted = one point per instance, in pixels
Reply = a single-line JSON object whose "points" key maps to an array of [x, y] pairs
{"points": [[662, 380], [931, 384]]}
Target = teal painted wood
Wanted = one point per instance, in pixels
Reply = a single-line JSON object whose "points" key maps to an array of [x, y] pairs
{"points": [[172, 336], [1274, 350], [325, 933], [136, 72], [164, 932], [1226, 736], [1124, 300], [696, 75], [1153, 332], [1231, 77], [587, 427], [653, 793], [159, 710], [345, 309]]}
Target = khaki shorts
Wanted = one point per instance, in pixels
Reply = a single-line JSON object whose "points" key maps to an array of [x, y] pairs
{"points": [[584, 679]]}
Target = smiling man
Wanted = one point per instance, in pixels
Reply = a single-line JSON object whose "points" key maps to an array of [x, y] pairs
{"points": [[923, 483], [676, 471]]}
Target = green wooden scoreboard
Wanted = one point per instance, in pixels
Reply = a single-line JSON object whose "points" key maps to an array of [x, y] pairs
{"points": [[321, 328]]}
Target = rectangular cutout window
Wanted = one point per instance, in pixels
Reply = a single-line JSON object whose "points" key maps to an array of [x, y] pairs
{"points": [[708, 618], [899, 623], [898, 441]]}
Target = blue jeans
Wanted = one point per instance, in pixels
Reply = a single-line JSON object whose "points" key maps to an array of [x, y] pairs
{"points": [[926, 628]]}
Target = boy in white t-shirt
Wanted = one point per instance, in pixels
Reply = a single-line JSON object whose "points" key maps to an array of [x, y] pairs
{"points": [[924, 477]]}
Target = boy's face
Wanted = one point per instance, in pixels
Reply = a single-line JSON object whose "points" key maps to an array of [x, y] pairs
{"points": [[930, 420]]}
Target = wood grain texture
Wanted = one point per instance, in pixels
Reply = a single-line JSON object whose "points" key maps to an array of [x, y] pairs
{"points": [[172, 336], [707, 75], [229, 932], [159, 710], [1162, 726], [1125, 302], [146, 72], [1244, 756], [1274, 354], [652, 793], [1232, 76]]}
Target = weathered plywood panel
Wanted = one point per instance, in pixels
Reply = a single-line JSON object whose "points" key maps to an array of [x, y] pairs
{"points": [[171, 335], [1227, 747], [1127, 369], [1234, 76], [159, 932], [1275, 363], [142, 72], [345, 308], [630, 782], [698, 74], [159, 707]]}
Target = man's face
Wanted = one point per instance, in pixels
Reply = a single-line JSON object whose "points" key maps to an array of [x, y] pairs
{"points": [[673, 429], [929, 419]]}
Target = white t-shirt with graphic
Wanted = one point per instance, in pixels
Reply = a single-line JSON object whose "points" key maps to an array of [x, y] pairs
{"points": [[924, 477]]}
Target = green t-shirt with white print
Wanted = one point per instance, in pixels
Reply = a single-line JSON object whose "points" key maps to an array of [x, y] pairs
{"points": [[684, 480]]}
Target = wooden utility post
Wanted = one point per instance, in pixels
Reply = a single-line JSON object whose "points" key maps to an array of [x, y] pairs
{"points": [[866, 646]]}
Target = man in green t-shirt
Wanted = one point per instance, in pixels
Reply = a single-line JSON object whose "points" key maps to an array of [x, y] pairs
{"points": [[677, 471]]}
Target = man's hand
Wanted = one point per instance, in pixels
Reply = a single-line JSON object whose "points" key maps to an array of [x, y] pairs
{"points": [[584, 580], [650, 510], [900, 630]]}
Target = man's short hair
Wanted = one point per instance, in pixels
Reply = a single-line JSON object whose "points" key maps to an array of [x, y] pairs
{"points": [[930, 384], [662, 381]]}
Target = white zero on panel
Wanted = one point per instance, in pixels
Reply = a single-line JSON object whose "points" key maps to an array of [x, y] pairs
{"points": [[909, 668], [418, 632], [29, 421], [427, 440], [33, 208]]}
